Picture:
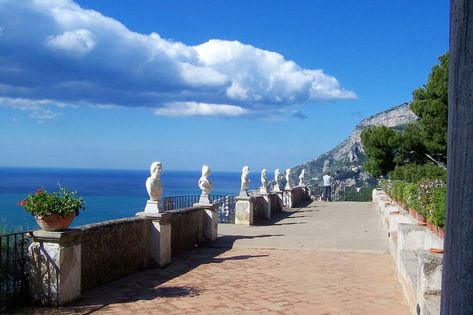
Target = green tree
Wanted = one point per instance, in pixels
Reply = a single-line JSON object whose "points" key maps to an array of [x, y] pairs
{"points": [[430, 104], [381, 145]]}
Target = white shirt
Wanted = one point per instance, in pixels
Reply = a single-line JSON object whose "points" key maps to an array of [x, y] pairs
{"points": [[327, 180]]}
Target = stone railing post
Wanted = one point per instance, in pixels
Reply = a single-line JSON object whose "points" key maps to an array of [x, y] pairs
{"points": [[244, 210], [160, 234], [210, 221], [287, 198], [55, 266]]}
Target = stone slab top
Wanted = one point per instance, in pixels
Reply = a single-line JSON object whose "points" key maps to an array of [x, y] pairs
{"points": [[64, 237], [243, 198], [209, 206]]}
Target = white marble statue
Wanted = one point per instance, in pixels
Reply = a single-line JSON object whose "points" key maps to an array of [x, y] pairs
{"points": [[277, 173], [264, 181], [153, 183], [302, 178], [288, 179], [245, 181], [205, 185]]}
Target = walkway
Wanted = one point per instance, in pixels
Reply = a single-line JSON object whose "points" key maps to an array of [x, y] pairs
{"points": [[327, 258]]}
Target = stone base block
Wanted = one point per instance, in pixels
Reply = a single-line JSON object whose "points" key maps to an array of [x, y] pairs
{"points": [[152, 207], [55, 267], [244, 210]]}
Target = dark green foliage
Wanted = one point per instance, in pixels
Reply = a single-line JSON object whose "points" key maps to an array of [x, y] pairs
{"points": [[411, 146], [430, 104], [439, 200], [381, 144], [414, 173], [416, 143]]}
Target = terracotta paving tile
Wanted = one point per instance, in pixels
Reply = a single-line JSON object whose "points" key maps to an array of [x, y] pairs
{"points": [[239, 280]]}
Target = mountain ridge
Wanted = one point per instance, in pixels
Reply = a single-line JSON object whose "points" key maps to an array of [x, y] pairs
{"points": [[345, 161]]}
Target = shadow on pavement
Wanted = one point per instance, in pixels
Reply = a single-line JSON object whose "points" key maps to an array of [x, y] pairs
{"points": [[150, 284]]}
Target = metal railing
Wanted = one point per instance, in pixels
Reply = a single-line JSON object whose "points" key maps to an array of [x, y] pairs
{"points": [[179, 202], [13, 269], [344, 193], [225, 209]]}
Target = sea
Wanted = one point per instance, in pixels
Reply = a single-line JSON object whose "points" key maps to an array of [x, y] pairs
{"points": [[108, 194]]}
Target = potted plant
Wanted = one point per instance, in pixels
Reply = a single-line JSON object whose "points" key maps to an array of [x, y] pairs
{"points": [[53, 211]]}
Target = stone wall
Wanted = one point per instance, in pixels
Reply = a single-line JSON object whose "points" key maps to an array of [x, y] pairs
{"points": [[112, 249], [414, 249], [187, 229], [260, 204], [276, 203]]}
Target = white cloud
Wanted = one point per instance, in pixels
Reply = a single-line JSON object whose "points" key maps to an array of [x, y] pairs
{"points": [[78, 42], [115, 66], [39, 110], [200, 109]]}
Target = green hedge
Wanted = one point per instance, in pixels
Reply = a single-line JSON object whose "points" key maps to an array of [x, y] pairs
{"points": [[414, 173], [427, 197]]}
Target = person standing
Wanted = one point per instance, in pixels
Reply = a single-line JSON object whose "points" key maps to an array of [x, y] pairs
{"points": [[328, 187]]}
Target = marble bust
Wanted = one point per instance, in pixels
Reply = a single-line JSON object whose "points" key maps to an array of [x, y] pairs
{"points": [[153, 182], [245, 181], [288, 179], [264, 181], [277, 173], [205, 185], [301, 178]]}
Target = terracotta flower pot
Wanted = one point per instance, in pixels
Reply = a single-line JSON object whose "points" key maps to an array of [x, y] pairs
{"points": [[441, 232], [55, 222], [420, 218], [436, 250]]}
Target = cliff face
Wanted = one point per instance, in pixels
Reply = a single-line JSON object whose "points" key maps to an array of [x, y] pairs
{"points": [[345, 160]]}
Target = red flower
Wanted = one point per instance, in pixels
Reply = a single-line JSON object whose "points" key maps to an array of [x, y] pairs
{"points": [[21, 203], [39, 191]]}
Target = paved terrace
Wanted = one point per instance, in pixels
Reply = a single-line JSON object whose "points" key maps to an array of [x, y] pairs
{"points": [[326, 258]]}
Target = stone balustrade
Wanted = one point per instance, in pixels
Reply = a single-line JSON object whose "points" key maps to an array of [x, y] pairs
{"points": [[65, 263], [252, 209], [419, 269]]}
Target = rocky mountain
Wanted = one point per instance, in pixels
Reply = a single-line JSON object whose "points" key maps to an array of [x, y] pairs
{"points": [[345, 161]]}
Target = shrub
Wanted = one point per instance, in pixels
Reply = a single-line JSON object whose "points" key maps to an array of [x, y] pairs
{"points": [[414, 173], [427, 197]]}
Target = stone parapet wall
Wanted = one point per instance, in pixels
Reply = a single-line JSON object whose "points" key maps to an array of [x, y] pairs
{"points": [[413, 247], [260, 205], [112, 249], [187, 229], [276, 203]]}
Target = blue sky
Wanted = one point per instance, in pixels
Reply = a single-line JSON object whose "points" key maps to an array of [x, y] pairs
{"points": [[271, 84]]}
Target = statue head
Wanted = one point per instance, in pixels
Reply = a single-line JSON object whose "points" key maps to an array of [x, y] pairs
{"points": [[264, 173], [205, 170], [245, 170], [155, 169]]}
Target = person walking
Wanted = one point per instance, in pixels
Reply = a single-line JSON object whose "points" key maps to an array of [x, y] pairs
{"points": [[328, 187]]}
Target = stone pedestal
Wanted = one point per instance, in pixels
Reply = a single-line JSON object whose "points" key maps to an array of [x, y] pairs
{"points": [[152, 207], [210, 220], [244, 210], [287, 198], [204, 199], [160, 242], [244, 193], [55, 266]]}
